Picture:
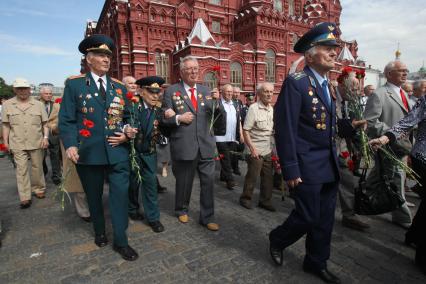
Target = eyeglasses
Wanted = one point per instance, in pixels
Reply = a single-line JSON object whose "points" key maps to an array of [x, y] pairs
{"points": [[192, 69]]}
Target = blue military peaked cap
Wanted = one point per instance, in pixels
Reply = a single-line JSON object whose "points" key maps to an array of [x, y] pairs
{"points": [[152, 83], [97, 43], [250, 96], [321, 34]]}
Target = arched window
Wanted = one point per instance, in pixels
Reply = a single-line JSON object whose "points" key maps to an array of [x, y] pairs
{"points": [[278, 5], [291, 7], [162, 66], [236, 74], [270, 66], [210, 80]]}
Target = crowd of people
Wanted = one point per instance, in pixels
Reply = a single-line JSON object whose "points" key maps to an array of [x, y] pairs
{"points": [[116, 132]]}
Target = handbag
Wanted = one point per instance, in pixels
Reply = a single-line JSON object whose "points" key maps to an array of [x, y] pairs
{"points": [[378, 198]]}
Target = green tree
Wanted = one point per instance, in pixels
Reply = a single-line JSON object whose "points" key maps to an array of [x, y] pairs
{"points": [[6, 91]]}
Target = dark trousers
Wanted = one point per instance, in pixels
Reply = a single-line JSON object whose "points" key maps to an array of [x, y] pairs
{"points": [[226, 167], [184, 172], [256, 167], [54, 152], [147, 189], [313, 215], [417, 231], [92, 178]]}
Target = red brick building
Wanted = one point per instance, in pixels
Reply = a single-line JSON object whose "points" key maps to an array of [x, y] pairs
{"points": [[239, 42]]}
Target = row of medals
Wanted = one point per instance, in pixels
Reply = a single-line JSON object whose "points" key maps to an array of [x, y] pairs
{"points": [[319, 123], [179, 102]]}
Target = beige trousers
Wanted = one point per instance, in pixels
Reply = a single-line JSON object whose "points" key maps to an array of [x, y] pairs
{"points": [[36, 183]]}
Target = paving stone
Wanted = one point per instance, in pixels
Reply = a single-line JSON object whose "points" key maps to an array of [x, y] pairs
{"points": [[186, 253]]}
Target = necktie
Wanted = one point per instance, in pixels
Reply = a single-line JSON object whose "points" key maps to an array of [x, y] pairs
{"points": [[193, 98], [101, 88], [47, 108], [404, 99], [148, 114], [325, 92]]}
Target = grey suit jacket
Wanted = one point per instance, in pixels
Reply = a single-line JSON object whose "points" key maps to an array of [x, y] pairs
{"points": [[384, 108], [187, 140]]}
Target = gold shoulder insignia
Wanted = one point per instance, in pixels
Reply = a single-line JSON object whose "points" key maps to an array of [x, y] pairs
{"points": [[117, 81], [76, 76]]}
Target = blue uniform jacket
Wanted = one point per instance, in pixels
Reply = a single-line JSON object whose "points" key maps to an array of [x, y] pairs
{"points": [[305, 129], [82, 100]]}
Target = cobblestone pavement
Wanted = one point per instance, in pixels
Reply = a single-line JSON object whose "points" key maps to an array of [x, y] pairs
{"points": [[44, 244]]}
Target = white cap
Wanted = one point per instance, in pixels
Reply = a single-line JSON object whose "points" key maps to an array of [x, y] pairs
{"points": [[21, 83]]}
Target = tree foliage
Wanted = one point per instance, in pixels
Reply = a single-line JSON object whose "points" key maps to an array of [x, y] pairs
{"points": [[6, 91]]}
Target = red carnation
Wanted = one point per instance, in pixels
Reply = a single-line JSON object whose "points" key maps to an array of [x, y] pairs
{"points": [[129, 96], [216, 68], [347, 70], [177, 94], [58, 101], [88, 123], [345, 154], [134, 99], [85, 133], [360, 74], [3, 148]]}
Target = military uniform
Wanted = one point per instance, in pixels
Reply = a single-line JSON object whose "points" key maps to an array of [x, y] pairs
{"points": [[305, 132], [89, 114], [25, 137], [146, 120]]}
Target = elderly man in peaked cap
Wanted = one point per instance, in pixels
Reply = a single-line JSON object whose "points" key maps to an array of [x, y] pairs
{"points": [[146, 112], [305, 129], [91, 119]]}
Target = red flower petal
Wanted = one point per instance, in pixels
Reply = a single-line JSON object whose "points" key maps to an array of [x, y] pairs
{"points": [[58, 101], [85, 133], [88, 123]]}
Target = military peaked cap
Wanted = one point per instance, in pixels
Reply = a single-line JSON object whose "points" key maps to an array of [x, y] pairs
{"points": [[97, 43], [321, 34], [152, 83]]}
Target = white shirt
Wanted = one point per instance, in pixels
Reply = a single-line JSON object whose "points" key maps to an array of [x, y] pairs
{"points": [[396, 89], [96, 78], [231, 123], [188, 91]]}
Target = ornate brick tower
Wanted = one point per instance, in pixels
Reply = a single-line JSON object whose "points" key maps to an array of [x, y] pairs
{"points": [[238, 42]]}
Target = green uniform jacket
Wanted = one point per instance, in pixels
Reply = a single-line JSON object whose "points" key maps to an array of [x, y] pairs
{"points": [[82, 100]]}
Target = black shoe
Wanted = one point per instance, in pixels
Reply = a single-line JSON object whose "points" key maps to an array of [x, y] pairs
{"points": [[324, 274], [276, 255], [161, 189], [127, 253], [136, 216], [25, 205], [245, 203], [237, 172], [101, 240], [86, 219], [268, 207], [156, 226]]}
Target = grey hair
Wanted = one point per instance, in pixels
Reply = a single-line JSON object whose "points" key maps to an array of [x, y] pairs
{"points": [[127, 78], [226, 86], [418, 84], [311, 51], [46, 88], [261, 87], [237, 88], [186, 58]]}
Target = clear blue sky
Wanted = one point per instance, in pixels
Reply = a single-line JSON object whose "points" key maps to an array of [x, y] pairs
{"points": [[39, 38]]}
